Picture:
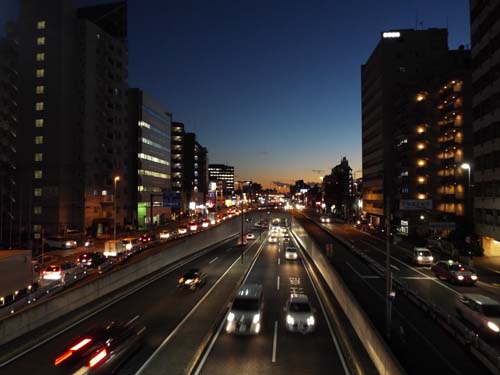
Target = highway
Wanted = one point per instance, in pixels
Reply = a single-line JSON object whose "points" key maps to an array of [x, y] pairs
{"points": [[274, 350], [161, 307], [421, 346]]}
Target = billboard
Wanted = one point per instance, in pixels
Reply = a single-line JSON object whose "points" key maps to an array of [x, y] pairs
{"points": [[415, 204]]}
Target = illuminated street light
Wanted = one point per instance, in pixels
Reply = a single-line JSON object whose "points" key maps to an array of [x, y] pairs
{"points": [[116, 179]]}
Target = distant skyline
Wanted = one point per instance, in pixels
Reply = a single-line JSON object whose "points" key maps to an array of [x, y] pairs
{"points": [[271, 87]]}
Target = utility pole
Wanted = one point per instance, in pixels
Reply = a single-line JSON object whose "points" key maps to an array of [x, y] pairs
{"points": [[388, 273], [242, 243]]}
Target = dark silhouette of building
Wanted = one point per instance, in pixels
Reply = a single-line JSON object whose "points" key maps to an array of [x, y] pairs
{"points": [[338, 190], [73, 69], [485, 37]]}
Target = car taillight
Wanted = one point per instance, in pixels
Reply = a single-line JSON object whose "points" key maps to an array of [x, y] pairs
{"points": [[63, 357], [80, 345], [98, 358]]}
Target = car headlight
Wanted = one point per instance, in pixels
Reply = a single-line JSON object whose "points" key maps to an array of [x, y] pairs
{"points": [[230, 317], [473, 277], [68, 244], [420, 257], [460, 277], [493, 327], [256, 318], [188, 281], [310, 321], [289, 319], [181, 280], [431, 258]]}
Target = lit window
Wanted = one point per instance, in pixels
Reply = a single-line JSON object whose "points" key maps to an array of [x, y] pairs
{"points": [[39, 106], [39, 156], [40, 25], [38, 174], [40, 56], [39, 140], [37, 192], [40, 89], [421, 196], [39, 123], [40, 73], [421, 96], [37, 228], [40, 41], [421, 163], [37, 210], [420, 146], [421, 180]]}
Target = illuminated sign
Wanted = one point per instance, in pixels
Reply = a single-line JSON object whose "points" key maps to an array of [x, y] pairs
{"points": [[391, 34]]}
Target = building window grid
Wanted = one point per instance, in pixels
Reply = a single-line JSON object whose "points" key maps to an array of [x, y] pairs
{"points": [[40, 41], [41, 24], [40, 73]]}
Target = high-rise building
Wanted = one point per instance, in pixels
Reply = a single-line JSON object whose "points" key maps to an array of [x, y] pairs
{"points": [[8, 133], [486, 113], [153, 125], [224, 175], [177, 142], [393, 74], [73, 161], [194, 170], [338, 192]]}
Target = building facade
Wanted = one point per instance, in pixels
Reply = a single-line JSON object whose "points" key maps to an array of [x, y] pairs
{"points": [[177, 142], [72, 113], [194, 171], [223, 175], [338, 190], [8, 133], [486, 116], [153, 124]]}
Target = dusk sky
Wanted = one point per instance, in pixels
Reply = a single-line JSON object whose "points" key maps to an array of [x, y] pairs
{"points": [[271, 87]]}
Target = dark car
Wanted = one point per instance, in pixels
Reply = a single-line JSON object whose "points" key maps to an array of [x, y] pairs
{"points": [[91, 259], [147, 238], [454, 272], [102, 350], [192, 279]]}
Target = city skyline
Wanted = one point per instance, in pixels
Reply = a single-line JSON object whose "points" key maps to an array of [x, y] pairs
{"points": [[282, 77]]}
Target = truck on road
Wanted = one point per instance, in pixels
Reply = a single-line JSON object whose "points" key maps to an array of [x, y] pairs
{"points": [[17, 276]]}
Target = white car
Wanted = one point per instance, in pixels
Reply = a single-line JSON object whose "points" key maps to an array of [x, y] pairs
{"points": [[481, 311], [182, 229], [164, 234], [60, 243], [422, 256], [250, 236], [299, 314], [291, 253], [273, 239]]}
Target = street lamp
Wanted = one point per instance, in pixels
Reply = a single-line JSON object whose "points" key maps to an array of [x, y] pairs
{"points": [[116, 179], [467, 167]]}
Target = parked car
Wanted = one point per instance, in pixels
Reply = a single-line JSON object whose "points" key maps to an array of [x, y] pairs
{"points": [[192, 279], [299, 314], [454, 272], [481, 311], [422, 256], [101, 350], [59, 243]]}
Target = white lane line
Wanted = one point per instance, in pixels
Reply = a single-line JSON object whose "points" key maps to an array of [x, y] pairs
{"points": [[213, 260], [221, 326], [360, 275], [279, 259], [177, 328], [417, 278], [329, 324], [396, 268], [278, 283], [133, 290], [275, 340]]}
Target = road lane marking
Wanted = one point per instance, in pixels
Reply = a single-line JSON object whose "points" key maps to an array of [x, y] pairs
{"points": [[360, 275], [275, 340], [278, 283], [279, 261], [191, 312], [216, 336], [417, 278], [213, 260]]}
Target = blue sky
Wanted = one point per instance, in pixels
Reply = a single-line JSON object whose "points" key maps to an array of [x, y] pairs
{"points": [[271, 87]]}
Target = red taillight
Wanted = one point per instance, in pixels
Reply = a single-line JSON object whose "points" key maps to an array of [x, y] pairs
{"points": [[98, 358], [63, 357], [80, 345]]}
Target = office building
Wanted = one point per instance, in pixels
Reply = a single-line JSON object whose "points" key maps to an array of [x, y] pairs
{"points": [[177, 141], [486, 121], [153, 124], [223, 175], [73, 158], [194, 171], [338, 190], [8, 134], [401, 63]]}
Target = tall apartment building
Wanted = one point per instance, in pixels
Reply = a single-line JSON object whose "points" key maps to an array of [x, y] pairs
{"points": [[153, 124], [177, 141], [8, 134], [485, 39], [224, 175], [195, 181], [76, 139], [401, 61], [338, 190]]}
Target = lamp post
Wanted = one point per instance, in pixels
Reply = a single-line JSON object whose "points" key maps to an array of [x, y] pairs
{"points": [[467, 167], [116, 179]]}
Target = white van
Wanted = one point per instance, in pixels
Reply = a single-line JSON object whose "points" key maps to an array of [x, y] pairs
{"points": [[245, 314]]}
